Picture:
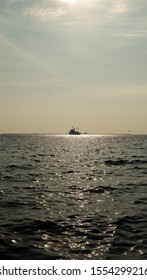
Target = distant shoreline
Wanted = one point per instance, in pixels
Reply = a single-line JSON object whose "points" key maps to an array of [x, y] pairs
{"points": [[66, 134]]}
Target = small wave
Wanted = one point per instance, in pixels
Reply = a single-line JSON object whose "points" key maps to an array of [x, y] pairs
{"points": [[36, 225], [100, 189], [116, 162], [140, 161], [16, 166], [141, 201], [68, 172], [96, 190], [52, 155], [124, 162], [130, 237]]}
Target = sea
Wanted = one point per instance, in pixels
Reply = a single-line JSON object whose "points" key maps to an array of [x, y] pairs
{"points": [[67, 197]]}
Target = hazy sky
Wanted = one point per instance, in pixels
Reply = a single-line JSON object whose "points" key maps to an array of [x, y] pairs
{"points": [[79, 63]]}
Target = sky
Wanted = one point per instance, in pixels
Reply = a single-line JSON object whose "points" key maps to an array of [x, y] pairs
{"points": [[80, 63]]}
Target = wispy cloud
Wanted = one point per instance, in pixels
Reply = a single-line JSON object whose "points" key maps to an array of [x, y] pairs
{"points": [[120, 7], [45, 13], [47, 10], [138, 33]]}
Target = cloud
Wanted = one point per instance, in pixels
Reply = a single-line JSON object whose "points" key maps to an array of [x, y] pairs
{"points": [[47, 10], [120, 7], [44, 13], [142, 33]]}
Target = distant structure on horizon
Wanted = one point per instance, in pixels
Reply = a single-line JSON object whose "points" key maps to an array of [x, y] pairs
{"points": [[73, 131]]}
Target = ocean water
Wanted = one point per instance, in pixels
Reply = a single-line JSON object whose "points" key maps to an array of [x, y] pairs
{"points": [[73, 197]]}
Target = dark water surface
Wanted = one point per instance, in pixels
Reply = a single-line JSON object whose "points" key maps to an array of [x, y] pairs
{"points": [[73, 197]]}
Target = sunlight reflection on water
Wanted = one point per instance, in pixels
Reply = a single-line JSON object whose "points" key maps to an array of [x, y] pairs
{"points": [[73, 197]]}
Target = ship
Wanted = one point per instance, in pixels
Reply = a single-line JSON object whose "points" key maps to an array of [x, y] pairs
{"points": [[74, 131]]}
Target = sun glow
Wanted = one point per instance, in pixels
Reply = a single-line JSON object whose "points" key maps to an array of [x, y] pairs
{"points": [[71, 2], [79, 3]]}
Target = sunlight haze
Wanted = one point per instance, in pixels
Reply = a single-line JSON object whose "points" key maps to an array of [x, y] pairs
{"points": [[74, 63]]}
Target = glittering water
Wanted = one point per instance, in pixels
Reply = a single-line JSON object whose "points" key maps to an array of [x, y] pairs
{"points": [[73, 197]]}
